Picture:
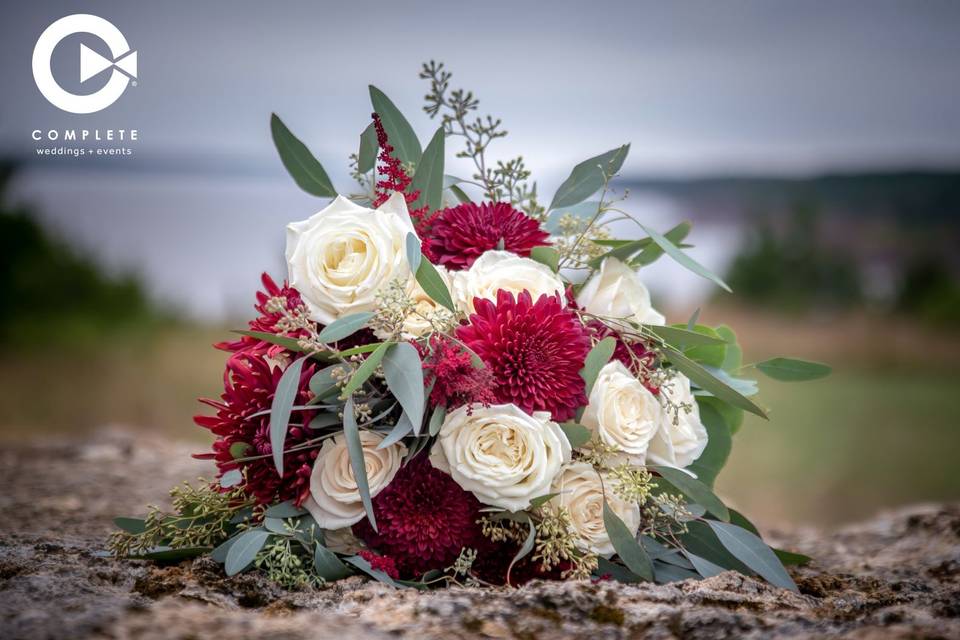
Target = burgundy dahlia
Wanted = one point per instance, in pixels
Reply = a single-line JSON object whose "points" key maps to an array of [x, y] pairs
{"points": [[250, 384], [424, 519], [461, 234], [535, 350]]}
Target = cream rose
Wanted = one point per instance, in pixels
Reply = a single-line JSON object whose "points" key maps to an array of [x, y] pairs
{"points": [[496, 270], [340, 257], [502, 455], [617, 292], [623, 412], [581, 493], [681, 437], [334, 500]]}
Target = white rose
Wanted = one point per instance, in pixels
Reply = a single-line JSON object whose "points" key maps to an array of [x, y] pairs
{"points": [[623, 412], [340, 257], [334, 500], [581, 492], [496, 270], [682, 436], [502, 455], [617, 292]]}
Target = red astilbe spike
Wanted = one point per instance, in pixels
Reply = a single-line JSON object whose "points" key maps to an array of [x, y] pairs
{"points": [[394, 178]]}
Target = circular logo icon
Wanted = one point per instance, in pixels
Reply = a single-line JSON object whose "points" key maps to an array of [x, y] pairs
{"points": [[123, 63]]}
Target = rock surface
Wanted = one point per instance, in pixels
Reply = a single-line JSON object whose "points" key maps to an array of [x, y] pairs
{"points": [[893, 577]]}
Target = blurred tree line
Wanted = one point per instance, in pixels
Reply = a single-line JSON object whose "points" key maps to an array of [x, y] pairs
{"points": [[50, 294], [792, 269]]}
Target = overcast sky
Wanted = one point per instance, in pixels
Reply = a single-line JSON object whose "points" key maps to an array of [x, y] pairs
{"points": [[695, 86]]}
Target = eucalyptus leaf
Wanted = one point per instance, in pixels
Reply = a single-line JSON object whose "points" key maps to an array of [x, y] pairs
{"points": [[588, 177], [231, 478], [703, 566], [403, 371], [733, 359], [345, 327], [791, 558], [665, 573], [305, 169], [682, 338], [131, 525], [284, 510], [683, 259], [363, 348], [366, 369], [709, 382], [219, 554], [402, 138], [652, 252], [793, 370], [743, 386], [617, 571], [539, 501], [414, 255], [290, 344], [577, 434], [433, 285], [626, 546], [460, 194], [719, 445], [596, 359], [367, 154], [323, 420], [693, 489], [436, 420], [753, 552], [429, 176], [244, 551], [327, 565], [548, 256], [582, 211], [357, 460], [280, 408], [275, 525], [702, 541], [400, 431]]}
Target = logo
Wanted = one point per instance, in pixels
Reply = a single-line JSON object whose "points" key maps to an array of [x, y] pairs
{"points": [[123, 63]]}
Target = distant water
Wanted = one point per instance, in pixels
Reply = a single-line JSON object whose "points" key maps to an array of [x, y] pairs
{"points": [[199, 243]]}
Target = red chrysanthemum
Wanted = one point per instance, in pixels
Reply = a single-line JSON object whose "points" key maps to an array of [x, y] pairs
{"points": [[394, 178], [461, 234], [268, 320], [424, 519], [455, 380], [251, 381], [535, 349]]}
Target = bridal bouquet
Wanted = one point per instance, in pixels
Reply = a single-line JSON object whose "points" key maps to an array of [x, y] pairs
{"points": [[459, 383]]}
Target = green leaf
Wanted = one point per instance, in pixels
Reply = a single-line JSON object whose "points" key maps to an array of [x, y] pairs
{"points": [[582, 211], [793, 370], [791, 558], [364, 348], [322, 420], [290, 344], [328, 565], [709, 382], [733, 359], [693, 489], [621, 251], [710, 355], [546, 256], [683, 259], [275, 525], [244, 551], [680, 338], [701, 540], [619, 572], [429, 176], [357, 461], [219, 554], [307, 172], [732, 416], [719, 444], [398, 433], [433, 285], [753, 552], [366, 369], [322, 382], [596, 360], [414, 255], [460, 194], [403, 371], [577, 434], [280, 409], [703, 566], [367, 155], [539, 501], [284, 510], [652, 252], [231, 478], [345, 327], [239, 450], [436, 420], [626, 546], [402, 138], [131, 525], [588, 176], [664, 573]]}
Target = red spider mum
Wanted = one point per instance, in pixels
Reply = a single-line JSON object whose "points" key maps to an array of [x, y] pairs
{"points": [[455, 380], [385, 564], [535, 349], [250, 384], [425, 519], [461, 234], [394, 178], [268, 319]]}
